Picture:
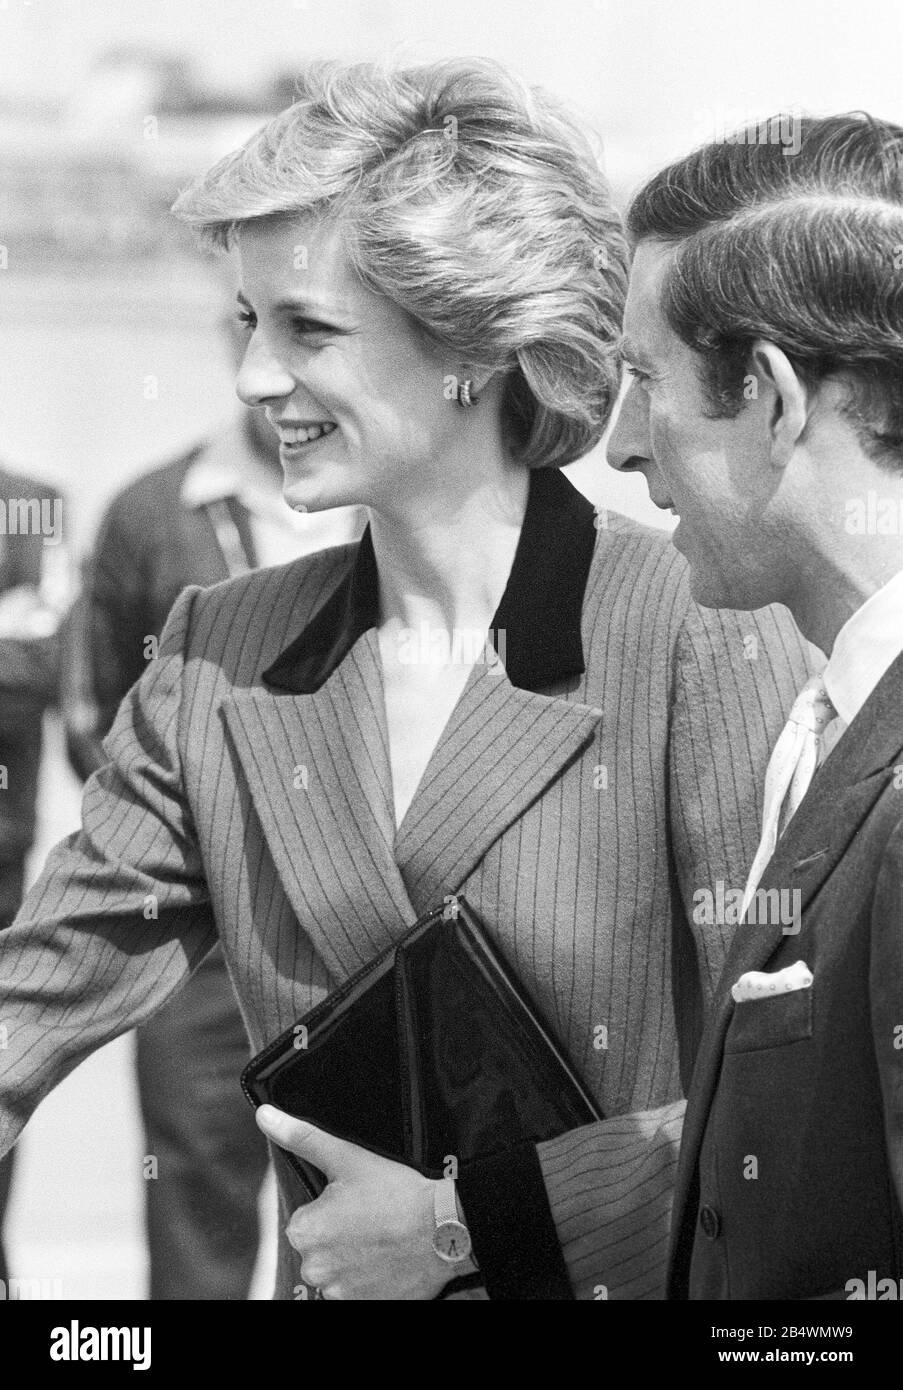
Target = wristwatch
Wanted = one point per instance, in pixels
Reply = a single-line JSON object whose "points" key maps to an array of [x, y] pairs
{"points": [[451, 1238]]}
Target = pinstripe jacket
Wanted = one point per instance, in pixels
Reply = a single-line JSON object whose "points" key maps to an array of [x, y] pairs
{"points": [[579, 799]]}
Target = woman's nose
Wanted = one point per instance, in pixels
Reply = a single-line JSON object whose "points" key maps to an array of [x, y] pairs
{"points": [[261, 376]]}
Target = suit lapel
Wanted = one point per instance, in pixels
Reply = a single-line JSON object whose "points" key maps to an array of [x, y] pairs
{"points": [[501, 747], [318, 771], [828, 819]]}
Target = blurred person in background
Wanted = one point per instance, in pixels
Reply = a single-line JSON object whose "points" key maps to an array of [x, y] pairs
{"points": [[215, 513], [34, 591]]}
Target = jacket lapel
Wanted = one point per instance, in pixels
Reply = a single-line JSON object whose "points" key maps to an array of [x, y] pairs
{"points": [[353, 882], [500, 749], [838, 801], [318, 771]]}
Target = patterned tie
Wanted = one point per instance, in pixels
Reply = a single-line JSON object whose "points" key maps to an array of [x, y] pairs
{"points": [[809, 735]]}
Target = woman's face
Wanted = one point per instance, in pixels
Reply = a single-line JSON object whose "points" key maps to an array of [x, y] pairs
{"points": [[350, 385]]}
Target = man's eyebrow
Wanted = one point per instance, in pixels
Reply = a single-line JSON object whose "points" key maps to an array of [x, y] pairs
{"points": [[628, 351]]}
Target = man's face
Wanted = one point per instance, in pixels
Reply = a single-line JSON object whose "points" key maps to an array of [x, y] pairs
{"points": [[714, 474]]}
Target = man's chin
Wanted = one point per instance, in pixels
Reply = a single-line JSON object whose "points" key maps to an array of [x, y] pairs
{"points": [[709, 595], [710, 588]]}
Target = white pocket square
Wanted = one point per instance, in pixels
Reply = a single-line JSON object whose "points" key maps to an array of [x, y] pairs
{"points": [[759, 984]]}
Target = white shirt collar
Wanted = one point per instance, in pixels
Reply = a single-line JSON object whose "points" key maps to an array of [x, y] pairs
{"points": [[865, 647]]}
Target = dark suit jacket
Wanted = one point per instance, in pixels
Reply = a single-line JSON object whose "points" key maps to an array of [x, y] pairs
{"points": [[809, 1084], [149, 548], [578, 801]]}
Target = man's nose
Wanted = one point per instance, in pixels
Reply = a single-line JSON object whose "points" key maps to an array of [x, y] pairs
{"points": [[628, 444], [261, 376]]}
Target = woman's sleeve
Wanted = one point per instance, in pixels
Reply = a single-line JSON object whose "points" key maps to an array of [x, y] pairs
{"points": [[596, 1224], [120, 914]]}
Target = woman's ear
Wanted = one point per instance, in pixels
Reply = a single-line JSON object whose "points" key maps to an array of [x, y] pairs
{"points": [[480, 377], [790, 401]]}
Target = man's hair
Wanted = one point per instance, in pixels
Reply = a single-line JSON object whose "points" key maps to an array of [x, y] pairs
{"points": [[476, 205], [802, 249]]}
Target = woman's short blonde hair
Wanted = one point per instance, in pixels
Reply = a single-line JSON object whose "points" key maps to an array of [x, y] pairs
{"points": [[475, 204]]}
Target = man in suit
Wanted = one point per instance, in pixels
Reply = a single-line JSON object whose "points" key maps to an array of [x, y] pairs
{"points": [[34, 590], [215, 513], [764, 330]]}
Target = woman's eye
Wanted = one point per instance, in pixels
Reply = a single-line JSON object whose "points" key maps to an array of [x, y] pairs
{"points": [[246, 319], [306, 326], [636, 373]]}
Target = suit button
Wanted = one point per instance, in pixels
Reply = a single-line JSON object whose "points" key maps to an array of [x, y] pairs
{"points": [[710, 1221]]}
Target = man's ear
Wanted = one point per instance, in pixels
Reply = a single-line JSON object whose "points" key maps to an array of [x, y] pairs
{"points": [[791, 400]]}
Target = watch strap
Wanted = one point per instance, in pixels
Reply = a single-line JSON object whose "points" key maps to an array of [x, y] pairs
{"points": [[445, 1202]]}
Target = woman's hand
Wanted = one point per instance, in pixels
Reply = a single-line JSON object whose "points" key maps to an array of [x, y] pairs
{"points": [[369, 1233]]}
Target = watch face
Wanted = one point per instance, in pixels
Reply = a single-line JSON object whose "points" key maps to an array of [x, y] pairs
{"points": [[451, 1241]]}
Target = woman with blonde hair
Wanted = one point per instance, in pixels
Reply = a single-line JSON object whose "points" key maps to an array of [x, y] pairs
{"points": [[491, 694]]}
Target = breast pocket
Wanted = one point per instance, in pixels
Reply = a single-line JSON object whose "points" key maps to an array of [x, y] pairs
{"points": [[771, 1022]]}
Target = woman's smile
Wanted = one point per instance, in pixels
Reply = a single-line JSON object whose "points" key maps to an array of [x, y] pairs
{"points": [[296, 439]]}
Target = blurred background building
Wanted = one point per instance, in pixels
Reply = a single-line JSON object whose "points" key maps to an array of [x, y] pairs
{"points": [[109, 327], [110, 356]]}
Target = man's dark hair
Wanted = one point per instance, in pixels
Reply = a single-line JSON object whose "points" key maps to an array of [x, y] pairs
{"points": [[804, 249]]}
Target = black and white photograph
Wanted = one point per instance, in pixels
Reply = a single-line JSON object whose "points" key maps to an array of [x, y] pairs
{"points": [[451, 669]]}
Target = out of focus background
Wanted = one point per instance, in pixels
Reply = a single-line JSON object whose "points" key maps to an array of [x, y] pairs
{"points": [[111, 358]]}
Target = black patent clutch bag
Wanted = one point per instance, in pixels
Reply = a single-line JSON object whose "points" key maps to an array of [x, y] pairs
{"points": [[432, 1052]]}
